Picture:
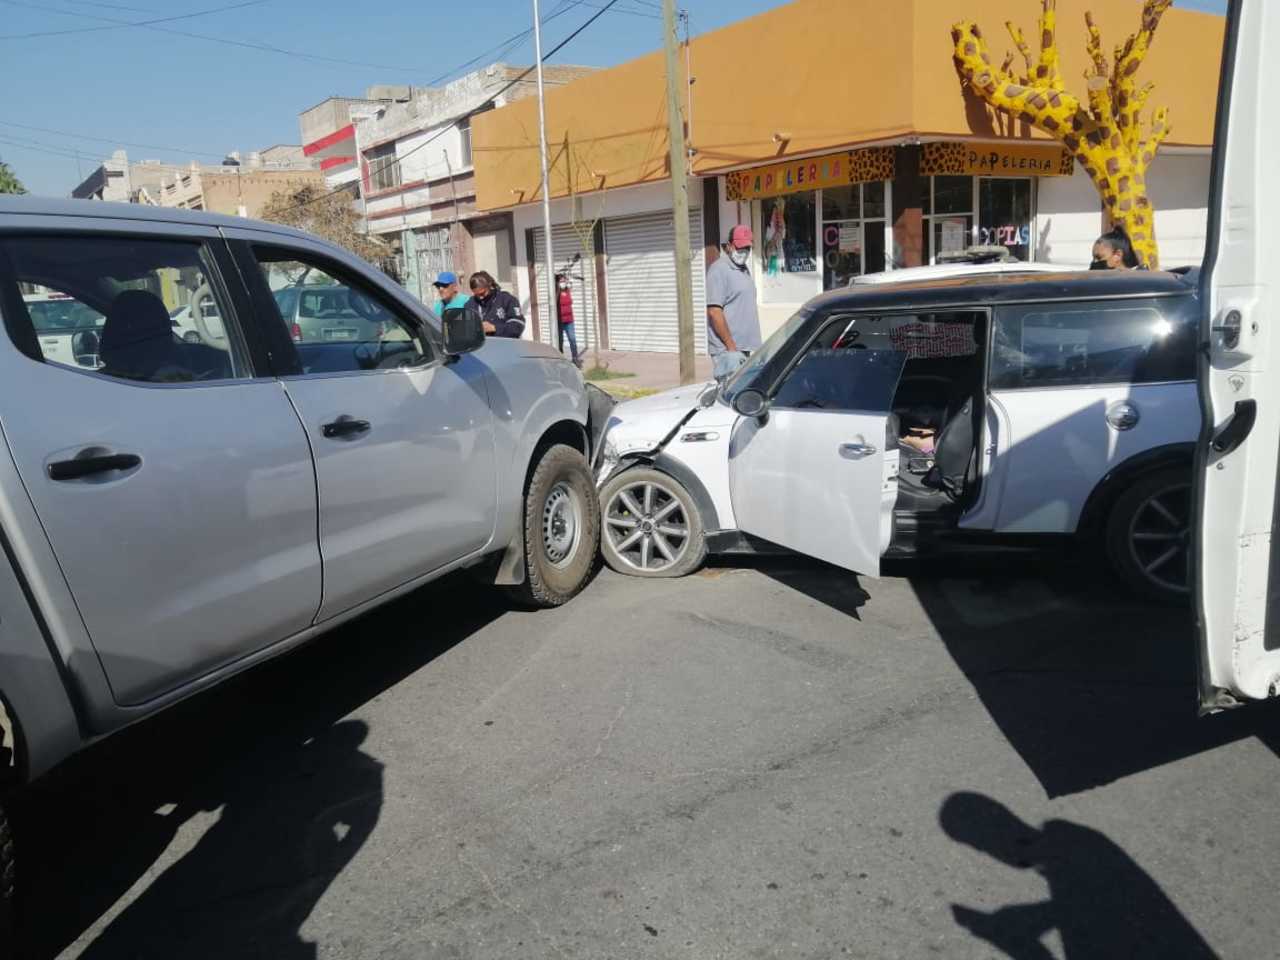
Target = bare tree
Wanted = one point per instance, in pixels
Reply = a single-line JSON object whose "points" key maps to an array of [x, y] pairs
{"points": [[326, 214]]}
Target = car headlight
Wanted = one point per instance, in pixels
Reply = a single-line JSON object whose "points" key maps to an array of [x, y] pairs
{"points": [[609, 458]]}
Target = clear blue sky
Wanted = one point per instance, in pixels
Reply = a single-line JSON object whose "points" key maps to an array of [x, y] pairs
{"points": [[201, 98]]}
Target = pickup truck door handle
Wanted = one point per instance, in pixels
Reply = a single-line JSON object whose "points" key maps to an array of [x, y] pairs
{"points": [[78, 468], [344, 427]]}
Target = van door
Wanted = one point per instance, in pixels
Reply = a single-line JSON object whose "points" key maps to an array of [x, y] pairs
{"points": [[817, 473], [1237, 565]]}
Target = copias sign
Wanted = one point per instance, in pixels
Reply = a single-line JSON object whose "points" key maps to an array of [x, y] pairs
{"points": [[1105, 133]]}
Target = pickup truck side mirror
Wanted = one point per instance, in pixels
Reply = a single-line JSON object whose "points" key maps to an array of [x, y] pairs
{"points": [[463, 331]]}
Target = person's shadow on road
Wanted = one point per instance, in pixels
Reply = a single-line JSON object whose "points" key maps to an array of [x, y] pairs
{"points": [[251, 881], [1100, 901]]}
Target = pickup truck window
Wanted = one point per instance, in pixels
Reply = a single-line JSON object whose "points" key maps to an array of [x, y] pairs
{"points": [[336, 323], [122, 307]]}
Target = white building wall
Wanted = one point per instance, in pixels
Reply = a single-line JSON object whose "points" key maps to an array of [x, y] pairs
{"points": [[1179, 188], [1069, 212], [424, 153], [647, 198]]}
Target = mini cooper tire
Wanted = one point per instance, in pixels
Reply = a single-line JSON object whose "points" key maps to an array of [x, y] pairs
{"points": [[561, 528], [650, 525], [1148, 535]]}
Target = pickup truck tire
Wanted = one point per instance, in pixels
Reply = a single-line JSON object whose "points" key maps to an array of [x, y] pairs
{"points": [[561, 528], [8, 884]]}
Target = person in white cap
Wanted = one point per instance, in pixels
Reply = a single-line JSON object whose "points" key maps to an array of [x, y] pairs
{"points": [[733, 323]]}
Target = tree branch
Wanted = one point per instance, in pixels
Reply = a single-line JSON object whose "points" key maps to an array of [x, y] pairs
{"points": [[1160, 129], [1049, 72], [1020, 41]]}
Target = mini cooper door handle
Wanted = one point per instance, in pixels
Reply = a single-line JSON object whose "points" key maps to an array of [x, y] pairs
{"points": [[345, 426], [861, 449], [77, 468]]}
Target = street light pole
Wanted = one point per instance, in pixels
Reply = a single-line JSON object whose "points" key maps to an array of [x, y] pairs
{"points": [[679, 196], [546, 179]]}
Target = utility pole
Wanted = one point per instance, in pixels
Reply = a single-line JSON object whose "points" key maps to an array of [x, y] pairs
{"points": [[679, 195], [552, 318]]}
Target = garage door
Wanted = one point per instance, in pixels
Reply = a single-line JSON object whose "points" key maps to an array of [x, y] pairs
{"points": [[564, 245], [641, 275]]}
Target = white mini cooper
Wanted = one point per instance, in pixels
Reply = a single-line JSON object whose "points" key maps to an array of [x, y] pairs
{"points": [[903, 419]]}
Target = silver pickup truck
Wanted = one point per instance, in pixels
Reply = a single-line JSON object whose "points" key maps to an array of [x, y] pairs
{"points": [[179, 511]]}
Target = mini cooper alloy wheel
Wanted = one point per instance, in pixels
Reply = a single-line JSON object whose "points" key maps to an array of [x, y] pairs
{"points": [[646, 525]]}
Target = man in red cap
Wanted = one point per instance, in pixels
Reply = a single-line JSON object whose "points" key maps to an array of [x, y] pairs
{"points": [[733, 323]]}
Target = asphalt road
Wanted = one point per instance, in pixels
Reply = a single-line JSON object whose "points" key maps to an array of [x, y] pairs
{"points": [[775, 760]]}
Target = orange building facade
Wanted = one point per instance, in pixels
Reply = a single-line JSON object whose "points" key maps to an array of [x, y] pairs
{"points": [[839, 130]]}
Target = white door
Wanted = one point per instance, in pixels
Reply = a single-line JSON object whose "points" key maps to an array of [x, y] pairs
{"points": [[641, 273], [818, 473], [403, 441], [1238, 567], [172, 479], [566, 245]]}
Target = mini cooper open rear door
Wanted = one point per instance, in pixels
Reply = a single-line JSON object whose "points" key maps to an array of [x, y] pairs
{"points": [[817, 472], [1237, 551]]}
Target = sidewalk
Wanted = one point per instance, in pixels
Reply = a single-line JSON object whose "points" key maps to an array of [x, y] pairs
{"points": [[650, 372]]}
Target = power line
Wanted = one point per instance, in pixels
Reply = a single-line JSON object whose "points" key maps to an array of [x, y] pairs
{"points": [[634, 13], [111, 140], [115, 24], [471, 113], [247, 44]]}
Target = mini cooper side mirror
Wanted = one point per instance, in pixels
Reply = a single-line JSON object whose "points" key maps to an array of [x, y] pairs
{"points": [[463, 331], [751, 403]]}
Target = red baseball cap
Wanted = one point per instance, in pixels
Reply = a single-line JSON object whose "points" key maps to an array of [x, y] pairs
{"points": [[740, 236]]}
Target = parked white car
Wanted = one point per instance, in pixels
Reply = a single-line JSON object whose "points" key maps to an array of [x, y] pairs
{"points": [[68, 330], [1057, 406]]}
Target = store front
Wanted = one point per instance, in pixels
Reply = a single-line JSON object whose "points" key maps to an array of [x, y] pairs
{"points": [[978, 195], [818, 222]]}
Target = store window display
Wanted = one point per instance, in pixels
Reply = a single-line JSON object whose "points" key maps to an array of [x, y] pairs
{"points": [[788, 231]]}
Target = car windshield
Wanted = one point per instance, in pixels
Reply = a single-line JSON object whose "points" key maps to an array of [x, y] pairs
{"points": [[750, 371], [54, 316]]}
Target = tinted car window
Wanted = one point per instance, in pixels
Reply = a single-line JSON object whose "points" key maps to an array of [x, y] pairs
{"points": [[341, 324], [1072, 344], [107, 304]]}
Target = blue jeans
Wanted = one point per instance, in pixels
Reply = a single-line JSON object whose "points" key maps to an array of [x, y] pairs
{"points": [[566, 330]]}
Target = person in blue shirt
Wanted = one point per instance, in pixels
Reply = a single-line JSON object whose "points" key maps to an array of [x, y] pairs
{"points": [[451, 296]]}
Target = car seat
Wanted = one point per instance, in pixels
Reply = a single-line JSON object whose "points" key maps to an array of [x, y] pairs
{"points": [[138, 342]]}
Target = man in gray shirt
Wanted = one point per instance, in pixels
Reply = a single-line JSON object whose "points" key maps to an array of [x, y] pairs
{"points": [[733, 323]]}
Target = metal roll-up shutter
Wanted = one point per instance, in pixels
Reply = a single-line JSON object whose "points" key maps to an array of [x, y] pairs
{"points": [[640, 276], [565, 244]]}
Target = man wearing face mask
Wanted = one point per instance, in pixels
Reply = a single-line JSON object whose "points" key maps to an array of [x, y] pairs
{"points": [[733, 323]]}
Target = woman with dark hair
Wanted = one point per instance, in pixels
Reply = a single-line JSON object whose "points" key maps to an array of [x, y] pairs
{"points": [[499, 312], [1114, 251]]}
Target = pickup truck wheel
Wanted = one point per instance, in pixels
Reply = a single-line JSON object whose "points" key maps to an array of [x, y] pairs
{"points": [[1149, 535], [652, 527], [8, 880], [561, 528]]}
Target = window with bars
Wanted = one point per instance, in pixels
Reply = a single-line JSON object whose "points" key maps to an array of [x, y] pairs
{"points": [[435, 252], [384, 168]]}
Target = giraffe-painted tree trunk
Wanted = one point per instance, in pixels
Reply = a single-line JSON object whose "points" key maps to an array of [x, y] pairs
{"points": [[1104, 133]]}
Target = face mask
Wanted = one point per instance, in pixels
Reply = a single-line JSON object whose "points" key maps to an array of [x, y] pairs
{"points": [[740, 257], [564, 286], [1099, 265]]}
